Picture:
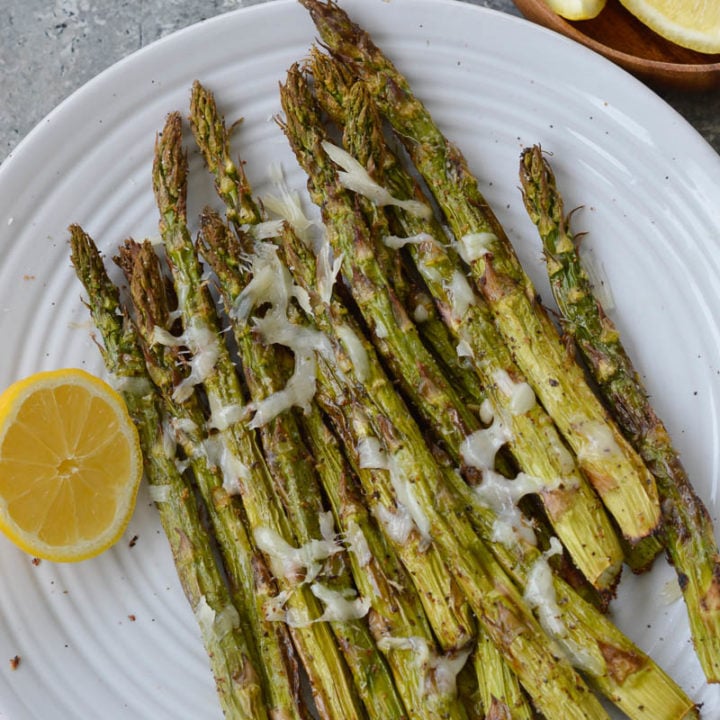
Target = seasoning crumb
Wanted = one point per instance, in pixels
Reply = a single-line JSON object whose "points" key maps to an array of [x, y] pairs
{"points": [[14, 662], [36, 561], [131, 618], [133, 541], [28, 277]]}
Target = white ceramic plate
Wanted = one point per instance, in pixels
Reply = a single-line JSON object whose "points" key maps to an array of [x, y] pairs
{"points": [[651, 191]]}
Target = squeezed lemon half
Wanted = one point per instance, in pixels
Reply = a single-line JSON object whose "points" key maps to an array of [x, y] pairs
{"points": [[70, 465]]}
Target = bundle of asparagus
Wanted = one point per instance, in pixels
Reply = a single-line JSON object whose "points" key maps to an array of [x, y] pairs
{"points": [[370, 475]]}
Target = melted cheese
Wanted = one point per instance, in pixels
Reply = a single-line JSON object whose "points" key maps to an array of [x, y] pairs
{"points": [[327, 269], [341, 607], [522, 397], [272, 284], [540, 596], [394, 242], [288, 206], [357, 543], [295, 563], [159, 493], [440, 671], [474, 245], [356, 351], [599, 440], [139, 386], [234, 471], [355, 177], [461, 295], [216, 625], [372, 454], [204, 346]]}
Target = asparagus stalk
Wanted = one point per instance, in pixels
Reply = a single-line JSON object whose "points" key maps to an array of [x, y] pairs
{"points": [[248, 575], [400, 624], [573, 508], [332, 85], [210, 132], [396, 614], [621, 671], [366, 409], [294, 470], [614, 468], [448, 615], [231, 653], [687, 530], [330, 678]]}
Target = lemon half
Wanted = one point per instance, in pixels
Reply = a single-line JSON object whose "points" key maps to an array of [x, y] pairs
{"points": [[577, 9], [693, 24], [70, 465]]}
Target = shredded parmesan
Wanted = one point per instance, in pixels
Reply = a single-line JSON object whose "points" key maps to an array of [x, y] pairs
{"points": [[223, 416], [327, 269], [288, 206], [463, 349], [356, 351], [234, 471], [540, 596], [461, 295], [159, 493], [216, 625], [394, 242], [301, 563], [371, 454], [139, 386], [272, 284], [169, 440], [474, 245], [355, 177], [339, 606], [396, 523], [265, 230], [440, 671], [357, 543], [522, 397], [599, 441], [204, 345]]}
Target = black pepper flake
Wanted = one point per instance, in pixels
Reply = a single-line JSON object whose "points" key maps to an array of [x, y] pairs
{"points": [[14, 662], [133, 541], [36, 561]]}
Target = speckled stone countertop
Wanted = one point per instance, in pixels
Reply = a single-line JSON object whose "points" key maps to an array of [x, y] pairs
{"points": [[49, 48]]}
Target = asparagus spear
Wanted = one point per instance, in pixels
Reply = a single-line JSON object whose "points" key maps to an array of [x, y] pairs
{"points": [[400, 625], [688, 531], [397, 614], [613, 467], [573, 508], [231, 654], [622, 672], [366, 409], [448, 616], [294, 469], [248, 575], [329, 675]]}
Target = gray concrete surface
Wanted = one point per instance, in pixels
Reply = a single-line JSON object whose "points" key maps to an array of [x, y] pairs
{"points": [[48, 48]]}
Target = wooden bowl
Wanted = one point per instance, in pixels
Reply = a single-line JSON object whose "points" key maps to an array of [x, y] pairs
{"points": [[621, 37]]}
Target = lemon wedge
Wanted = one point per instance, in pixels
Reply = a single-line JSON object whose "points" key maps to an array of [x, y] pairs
{"points": [[693, 24], [577, 9], [70, 465]]}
